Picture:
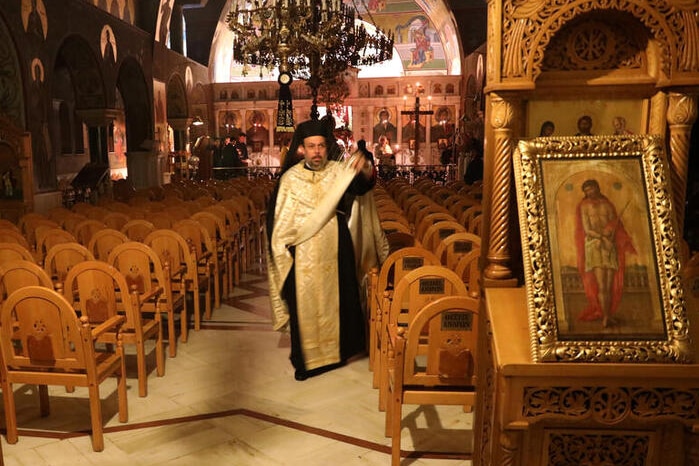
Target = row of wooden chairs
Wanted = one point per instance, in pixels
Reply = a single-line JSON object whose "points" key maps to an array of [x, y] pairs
{"points": [[107, 290], [424, 303]]}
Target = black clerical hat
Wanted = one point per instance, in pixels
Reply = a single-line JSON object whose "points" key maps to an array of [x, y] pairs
{"points": [[311, 128]]}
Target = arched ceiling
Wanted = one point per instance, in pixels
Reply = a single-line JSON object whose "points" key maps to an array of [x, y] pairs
{"points": [[454, 28]]}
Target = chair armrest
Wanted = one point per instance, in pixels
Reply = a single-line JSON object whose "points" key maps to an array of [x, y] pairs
{"points": [[109, 324], [154, 293], [180, 272]]}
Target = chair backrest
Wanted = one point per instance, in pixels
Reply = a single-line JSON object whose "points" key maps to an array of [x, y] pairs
{"points": [[137, 229], [438, 231], [62, 257], [468, 268], [4, 223], [401, 262], [14, 251], [161, 219], [48, 237], [214, 225], [29, 223], [451, 248], [99, 291], [195, 235], [103, 241], [429, 220], [141, 267], [448, 327], [20, 273], [392, 226], [14, 236], [40, 330], [86, 229], [398, 240], [115, 220], [419, 287], [173, 250]]}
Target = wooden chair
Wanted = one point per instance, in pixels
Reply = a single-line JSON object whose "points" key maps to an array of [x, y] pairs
{"points": [[100, 292], [228, 268], [70, 221], [411, 293], [399, 240], [14, 251], [142, 266], [391, 226], [173, 249], [62, 257], [43, 342], [103, 241], [137, 229], [19, 274], [86, 229], [468, 268], [161, 220], [450, 249], [14, 236], [236, 245], [6, 224], [438, 231], [48, 237], [429, 220], [397, 265], [116, 220], [434, 361], [246, 235], [205, 257], [28, 224]]}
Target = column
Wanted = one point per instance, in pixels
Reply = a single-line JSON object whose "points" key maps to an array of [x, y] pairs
{"points": [[498, 260], [681, 115]]}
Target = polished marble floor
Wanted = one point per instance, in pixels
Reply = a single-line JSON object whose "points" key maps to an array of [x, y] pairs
{"points": [[230, 398]]}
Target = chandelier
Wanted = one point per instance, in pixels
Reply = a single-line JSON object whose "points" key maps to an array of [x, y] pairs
{"points": [[312, 40]]}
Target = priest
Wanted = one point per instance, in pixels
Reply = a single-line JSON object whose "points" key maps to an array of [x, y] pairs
{"points": [[312, 274]]}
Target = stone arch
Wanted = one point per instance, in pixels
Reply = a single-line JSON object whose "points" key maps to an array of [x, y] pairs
{"points": [[530, 32], [176, 97], [138, 110], [78, 59]]}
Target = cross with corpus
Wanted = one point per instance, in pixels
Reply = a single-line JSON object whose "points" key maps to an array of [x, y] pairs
{"points": [[416, 115]]}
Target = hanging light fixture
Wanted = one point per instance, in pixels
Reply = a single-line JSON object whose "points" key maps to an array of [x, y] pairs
{"points": [[197, 121], [313, 40]]}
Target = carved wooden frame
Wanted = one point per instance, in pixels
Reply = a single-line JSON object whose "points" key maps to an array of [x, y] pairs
{"points": [[546, 167]]}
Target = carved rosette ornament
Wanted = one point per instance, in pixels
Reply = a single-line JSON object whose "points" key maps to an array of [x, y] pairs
{"points": [[501, 117], [681, 115], [529, 26]]}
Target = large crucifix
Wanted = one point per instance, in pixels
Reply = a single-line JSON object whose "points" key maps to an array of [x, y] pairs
{"points": [[415, 113]]}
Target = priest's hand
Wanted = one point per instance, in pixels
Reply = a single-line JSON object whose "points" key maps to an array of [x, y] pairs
{"points": [[362, 165]]}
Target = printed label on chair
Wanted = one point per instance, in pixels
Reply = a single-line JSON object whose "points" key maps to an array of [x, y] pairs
{"points": [[412, 263], [431, 286], [462, 246], [457, 321]]}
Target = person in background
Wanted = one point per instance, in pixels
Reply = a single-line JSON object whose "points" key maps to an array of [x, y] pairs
{"points": [[311, 265], [547, 129], [474, 169], [241, 146]]}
